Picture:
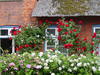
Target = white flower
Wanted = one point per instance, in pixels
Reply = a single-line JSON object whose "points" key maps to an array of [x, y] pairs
{"points": [[38, 67], [33, 54], [51, 61], [76, 60], [52, 73], [85, 64], [69, 70], [79, 58], [45, 64], [92, 62], [88, 64], [63, 66], [75, 68], [59, 61], [79, 64], [73, 55], [47, 60], [70, 60], [38, 36], [48, 55], [99, 68], [72, 64], [56, 51], [60, 68], [42, 59], [54, 56], [46, 67], [41, 54], [94, 68]]}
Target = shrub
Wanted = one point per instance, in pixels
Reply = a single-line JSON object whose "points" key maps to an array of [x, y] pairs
{"points": [[29, 39], [49, 63]]}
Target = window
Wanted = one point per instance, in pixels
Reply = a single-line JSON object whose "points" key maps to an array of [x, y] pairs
{"points": [[5, 34], [96, 29], [51, 35]]}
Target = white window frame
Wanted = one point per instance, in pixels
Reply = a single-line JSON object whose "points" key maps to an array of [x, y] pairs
{"points": [[94, 30], [56, 38], [8, 36]]}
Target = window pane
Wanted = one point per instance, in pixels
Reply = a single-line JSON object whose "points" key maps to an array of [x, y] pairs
{"points": [[98, 31], [51, 31], [4, 32]]}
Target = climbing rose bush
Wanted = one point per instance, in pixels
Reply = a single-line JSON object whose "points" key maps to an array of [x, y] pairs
{"points": [[30, 38], [49, 63], [70, 37]]}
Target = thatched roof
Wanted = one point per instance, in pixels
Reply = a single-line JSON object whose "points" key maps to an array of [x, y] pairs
{"points": [[47, 8]]}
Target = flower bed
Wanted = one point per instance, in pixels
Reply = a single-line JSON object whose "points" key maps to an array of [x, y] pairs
{"points": [[49, 63]]}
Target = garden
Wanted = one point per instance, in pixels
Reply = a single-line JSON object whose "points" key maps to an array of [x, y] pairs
{"points": [[79, 56]]}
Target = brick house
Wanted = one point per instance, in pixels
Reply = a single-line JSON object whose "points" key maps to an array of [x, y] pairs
{"points": [[22, 12]]}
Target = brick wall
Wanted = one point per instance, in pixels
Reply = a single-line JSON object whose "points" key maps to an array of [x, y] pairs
{"points": [[87, 26], [12, 13]]}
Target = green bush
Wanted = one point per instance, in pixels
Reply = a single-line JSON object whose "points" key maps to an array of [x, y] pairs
{"points": [[49, 63]]}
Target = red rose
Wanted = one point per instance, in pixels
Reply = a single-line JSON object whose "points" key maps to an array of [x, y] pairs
{"points": [[71, 19], [71, 32], [20, 26], [68, 45], [10, 38], [85, 39], [34, 45], [20, 47], [74, 30], [83, 48], [92, 43], [59, 37], [26, 45], [15, 33], [50, 22], [92, 51], [17, 49], [18, 31], [66, 21], [76, 41], [67, 25], [46, 21], [40, 22], [59, 29], [58, 26], [66, 33], [94, 35], [77, 35], [80, 22], [14, 28], [61, 23]]}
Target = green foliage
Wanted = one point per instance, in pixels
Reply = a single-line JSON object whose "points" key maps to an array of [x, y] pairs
{"points": [[70, 38], [30, 38], [49, 63]]}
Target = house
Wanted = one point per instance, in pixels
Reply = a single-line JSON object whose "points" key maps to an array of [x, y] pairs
{"points": [[21, 12]]}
